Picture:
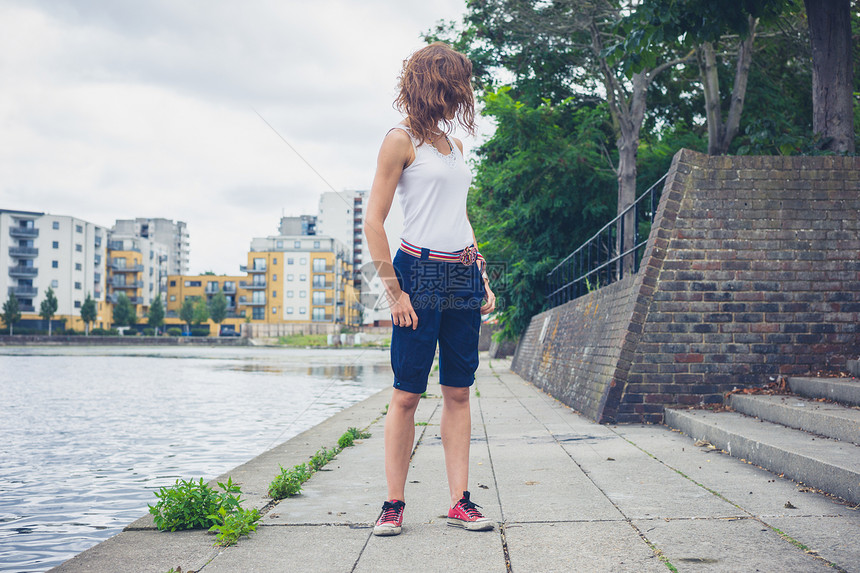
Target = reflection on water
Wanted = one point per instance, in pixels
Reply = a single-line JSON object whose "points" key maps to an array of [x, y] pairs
{"points": [[87, 434]]}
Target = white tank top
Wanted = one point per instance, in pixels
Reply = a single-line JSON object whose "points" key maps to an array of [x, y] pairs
{"points": [[432, 191]]}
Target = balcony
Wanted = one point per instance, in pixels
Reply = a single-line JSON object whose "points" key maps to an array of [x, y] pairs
{"points": [[252, 270], [255, 285], [257, 302], [229, 288], [212, 289], [323, 302], [126, 284], [327, 269], [125, 269], [24, 291], [23, 232], [323, 318], [27, 308], [114, 299], [24, 252], [319, 286], [23, 272]]}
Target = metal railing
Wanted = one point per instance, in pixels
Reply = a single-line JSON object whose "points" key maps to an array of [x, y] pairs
{"points": [[606, 257], [24, 291], [25, 272], [253, 285], [21, 252], [24, 232]]}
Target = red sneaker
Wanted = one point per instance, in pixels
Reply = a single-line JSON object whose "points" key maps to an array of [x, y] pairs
{"points": [[465, 514], [391, 519]]}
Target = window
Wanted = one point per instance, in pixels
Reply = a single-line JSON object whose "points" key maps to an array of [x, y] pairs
{"points": [[259, 264], [297, 245], [274, 277], [79, 248], [55, 244], [290, 277], [316, 244], [289, 294], [289, 310], [274, 310], [274, 294], [274, 260], [303, 277], [290, 261], [303, 261], [303, 310], [55, 225], [173, 298], [77, 304], [55, 284], [55, 264], [78, 286], [97, 277], [318, 314], [279, 244], [98, 242], [193, 283], [319, 297], [78, 266], [319, 265], [79, 228], [319, 281], [98, 259], [303, 294], [173, 283], [258, 313]]}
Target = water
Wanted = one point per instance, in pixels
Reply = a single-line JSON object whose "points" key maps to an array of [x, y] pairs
{"points": [[88, 434]]}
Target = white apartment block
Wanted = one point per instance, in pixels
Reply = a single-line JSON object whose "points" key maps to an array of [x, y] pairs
{"points": [[39, 250], [341, 215], [173, 235]]}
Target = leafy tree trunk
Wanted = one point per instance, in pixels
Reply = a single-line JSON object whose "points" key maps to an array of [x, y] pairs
{"points": [[832, 72], [721, 134]]}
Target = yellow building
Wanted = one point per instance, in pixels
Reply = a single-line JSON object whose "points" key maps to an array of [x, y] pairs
{"points": [[195, 287], [125, 276]]}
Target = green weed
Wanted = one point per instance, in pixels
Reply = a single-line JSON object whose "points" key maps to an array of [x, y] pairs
{"points": [[189, 504], [231, 526], [289, 482], [422, 423]]}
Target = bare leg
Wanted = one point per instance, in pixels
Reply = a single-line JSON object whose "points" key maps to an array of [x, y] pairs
{"points": [[399, 437], [456, 435]]}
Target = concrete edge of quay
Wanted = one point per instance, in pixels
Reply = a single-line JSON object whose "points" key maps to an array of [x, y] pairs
{"points": [[142, 537]]}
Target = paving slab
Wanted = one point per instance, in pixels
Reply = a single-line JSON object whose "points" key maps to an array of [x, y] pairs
{"points": [[727, 545], [278, 549], [433, 548], [611, 547], [833, 538], [146, 552]]}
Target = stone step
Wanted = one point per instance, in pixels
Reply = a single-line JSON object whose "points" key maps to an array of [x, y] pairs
{"points": [[843, 390], [822, 463], [854, 367], [823, 418]]}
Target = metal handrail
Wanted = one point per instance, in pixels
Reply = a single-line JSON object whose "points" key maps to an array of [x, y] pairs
{"points": [[586, 263]]}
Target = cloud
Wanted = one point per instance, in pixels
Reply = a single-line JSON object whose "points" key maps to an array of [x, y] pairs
{"points": [[120, 109]]}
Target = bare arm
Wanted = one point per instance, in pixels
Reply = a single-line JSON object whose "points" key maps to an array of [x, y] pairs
{"points": [[394, 155]]}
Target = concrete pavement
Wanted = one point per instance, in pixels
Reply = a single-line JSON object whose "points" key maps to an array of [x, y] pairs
{"points": [[568, 495]]}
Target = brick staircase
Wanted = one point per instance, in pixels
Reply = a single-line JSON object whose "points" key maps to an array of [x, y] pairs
{"points": [[811, 435]]}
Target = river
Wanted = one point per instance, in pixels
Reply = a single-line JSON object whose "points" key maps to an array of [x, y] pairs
{"points": [[87, 434]]}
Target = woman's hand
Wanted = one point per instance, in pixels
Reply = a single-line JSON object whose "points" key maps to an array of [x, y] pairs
{"points": [[490, 304], [402, 313]]}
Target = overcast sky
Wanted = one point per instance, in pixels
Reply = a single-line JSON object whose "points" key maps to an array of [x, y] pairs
{"points": [[113, 109]]}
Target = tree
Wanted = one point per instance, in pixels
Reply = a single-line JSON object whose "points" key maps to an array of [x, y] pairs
{"points": [[832, 72], [11, 312], [88, 312], [124, 313], [156, 314], [201, 312], [218, 307], [186, 311], [48, 308]]}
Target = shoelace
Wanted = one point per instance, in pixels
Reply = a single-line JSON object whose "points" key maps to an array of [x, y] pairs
{"points": [[391, 511], [470, 507]]}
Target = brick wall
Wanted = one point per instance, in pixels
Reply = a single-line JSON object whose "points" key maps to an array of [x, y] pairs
{"points": [[752, 270]]}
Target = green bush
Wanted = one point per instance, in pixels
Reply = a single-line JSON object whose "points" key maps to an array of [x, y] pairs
{"points": [[200, 331], [149, 332], [104, 332], [189, 504], [174, 332]]}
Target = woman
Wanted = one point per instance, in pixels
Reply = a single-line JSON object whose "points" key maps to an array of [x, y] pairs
{"points": [[436, 282]]}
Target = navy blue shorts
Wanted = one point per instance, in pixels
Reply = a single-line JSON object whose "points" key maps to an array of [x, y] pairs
{"points": [[447, 300]]}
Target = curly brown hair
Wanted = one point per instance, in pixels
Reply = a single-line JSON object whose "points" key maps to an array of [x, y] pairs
{"points": [[436, 88]]}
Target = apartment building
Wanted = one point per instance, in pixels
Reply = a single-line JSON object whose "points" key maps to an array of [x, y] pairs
{"points": [[67, 254], [299, 278], [173, 235], [196, 287], [137, 267]]}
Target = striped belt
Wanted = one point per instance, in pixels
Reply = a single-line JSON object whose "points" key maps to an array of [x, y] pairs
{"points": [[466, 256]]}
